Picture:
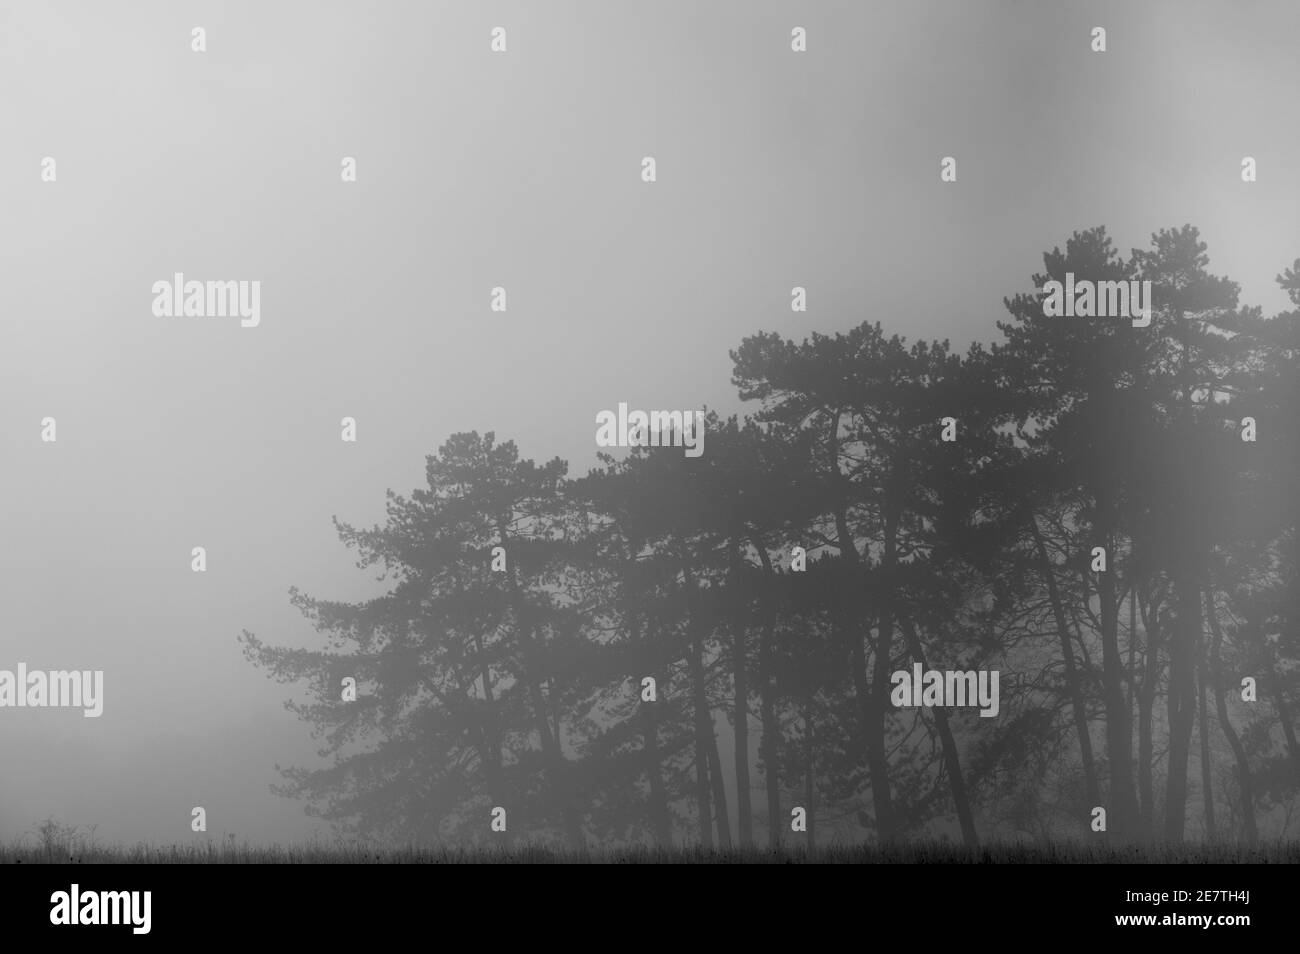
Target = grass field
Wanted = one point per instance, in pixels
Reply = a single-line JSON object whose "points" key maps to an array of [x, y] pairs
{"points": [[912, 853]]}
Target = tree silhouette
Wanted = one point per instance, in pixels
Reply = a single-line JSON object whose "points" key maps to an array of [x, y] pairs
{"points": [[1104, 513]]}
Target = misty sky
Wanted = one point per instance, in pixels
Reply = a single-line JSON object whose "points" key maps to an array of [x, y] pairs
{"points": [[523, 170]]}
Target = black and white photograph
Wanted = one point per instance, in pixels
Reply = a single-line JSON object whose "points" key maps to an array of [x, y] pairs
{"points": [[687, 432]]}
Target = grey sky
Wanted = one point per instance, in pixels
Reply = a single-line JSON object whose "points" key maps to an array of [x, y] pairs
{"points": [[521, 170]]}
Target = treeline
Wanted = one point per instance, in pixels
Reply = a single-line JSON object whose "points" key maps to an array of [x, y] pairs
{"points": [[1112, 528]]}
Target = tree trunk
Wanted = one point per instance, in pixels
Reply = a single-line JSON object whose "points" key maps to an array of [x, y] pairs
{"points": [[1288, 727], [1073, 685], [707, 738], [770, 745], [810, 774], [878, 696], [872, 728], [1132, 645], [1146, 710], [1181, 700], [660, 818], [950, 757], [1234, 741], [552, 749], [871, 705], [1207, 775], [491, 734], [740, 714], [702, 731], [720, 811], [1119, 734], [873, 737], [1277, 687], [659, 815]]}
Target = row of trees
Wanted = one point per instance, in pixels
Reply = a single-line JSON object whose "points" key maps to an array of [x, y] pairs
{"points": [[525, 685]]}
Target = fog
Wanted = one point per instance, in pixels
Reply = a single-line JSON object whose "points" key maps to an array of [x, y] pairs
{"points": [[477, 170]]}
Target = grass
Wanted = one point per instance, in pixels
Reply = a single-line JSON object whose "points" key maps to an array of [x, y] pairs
{"points": [[943, 853]]}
